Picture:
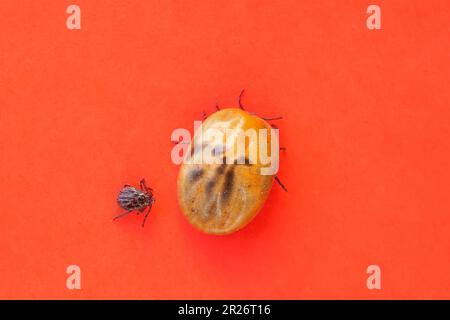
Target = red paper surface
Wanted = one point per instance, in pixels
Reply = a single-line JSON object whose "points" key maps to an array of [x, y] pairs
{"points": [[366, 127]]}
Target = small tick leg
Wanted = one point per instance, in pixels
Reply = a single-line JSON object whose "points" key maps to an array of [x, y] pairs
{"points": [[203, 114], [240, 98], [126, 185], [273, 126], [146, 215], [144, 187], [217, 107], [282, 148], [122, 215], [279, 182]]}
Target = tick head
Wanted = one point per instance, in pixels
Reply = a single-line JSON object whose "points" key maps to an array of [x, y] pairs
{"points": [[143, 199]]}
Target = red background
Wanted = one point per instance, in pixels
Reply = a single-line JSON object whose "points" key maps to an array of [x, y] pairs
{"points": [[366, 126]]}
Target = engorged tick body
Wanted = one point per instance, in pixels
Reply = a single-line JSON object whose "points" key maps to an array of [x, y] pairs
{"points": [[221, 198], [132, 199]]}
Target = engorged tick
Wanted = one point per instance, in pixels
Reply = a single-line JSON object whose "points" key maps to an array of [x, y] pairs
{"points": [[132, 199], [224, 196]]}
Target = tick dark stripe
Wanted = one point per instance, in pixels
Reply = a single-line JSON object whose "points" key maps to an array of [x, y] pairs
{"points": [[228, 185], [220, 169], [242, 160], [210, 186], [195, 174]]}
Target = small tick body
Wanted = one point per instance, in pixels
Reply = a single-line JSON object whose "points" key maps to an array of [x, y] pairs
{"points": [[132, 199], [221, 198]]}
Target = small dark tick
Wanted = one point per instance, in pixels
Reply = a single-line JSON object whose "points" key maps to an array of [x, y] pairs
{"points": [[132, 199]]}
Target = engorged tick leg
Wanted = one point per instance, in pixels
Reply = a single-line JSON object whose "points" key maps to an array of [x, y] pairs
{"points": [[239, 100], [279, 182], [122, 215], [274, 118]]}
